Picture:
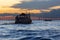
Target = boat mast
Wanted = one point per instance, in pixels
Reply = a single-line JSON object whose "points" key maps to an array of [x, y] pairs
{"points": [[29, 14]]}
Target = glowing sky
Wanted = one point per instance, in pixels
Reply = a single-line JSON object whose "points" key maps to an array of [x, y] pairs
{"points": [[11, 2], [8, 2], [16, 10], [34, 5], [5, 6], [55, 7]]}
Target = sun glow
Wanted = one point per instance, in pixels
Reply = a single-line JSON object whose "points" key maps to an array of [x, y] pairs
{"points": [[17, 10], [55, 7], [8, 2], [5, 7]]}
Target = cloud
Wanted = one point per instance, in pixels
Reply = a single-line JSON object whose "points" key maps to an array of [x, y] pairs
{"points": [[28, 4], [17, 10], [40, 0], [55, 7], [27, 0], [38, 4], [11, 2], [8, 2]]}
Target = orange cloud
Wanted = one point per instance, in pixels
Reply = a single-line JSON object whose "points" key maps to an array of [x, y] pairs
{"points": [[35, 11], [45, 10], [8, 10], [5, 9], [55, 7], [9, 2], [50, 9], [12, 2]]}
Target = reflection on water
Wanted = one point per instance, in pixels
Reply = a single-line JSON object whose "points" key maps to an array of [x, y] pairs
{"points": [[38, 30]]}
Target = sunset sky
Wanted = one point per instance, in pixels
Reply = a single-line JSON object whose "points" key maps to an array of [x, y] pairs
{"points": [[32, 6]]}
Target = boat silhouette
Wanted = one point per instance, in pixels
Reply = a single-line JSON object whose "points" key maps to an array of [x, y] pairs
{"points": [[47, 20], [23, 19]]}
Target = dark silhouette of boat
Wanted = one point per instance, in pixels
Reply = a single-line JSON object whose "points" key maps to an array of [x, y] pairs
{"points": [[23, 19], [47, 20]]}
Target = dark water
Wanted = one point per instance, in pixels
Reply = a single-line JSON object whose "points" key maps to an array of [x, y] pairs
{"points": [[38, 30]]}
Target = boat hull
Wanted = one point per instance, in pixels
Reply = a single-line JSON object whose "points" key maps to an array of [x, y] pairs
{"points": [[23, 21]]}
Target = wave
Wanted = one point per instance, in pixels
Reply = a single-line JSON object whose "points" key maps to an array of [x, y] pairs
{"points": [[37, 31], [32, 34], [35, 38]]}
